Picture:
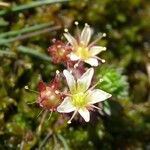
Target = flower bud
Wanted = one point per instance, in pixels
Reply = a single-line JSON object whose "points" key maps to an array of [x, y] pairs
{"points": [[49, 96], [59, 52]]}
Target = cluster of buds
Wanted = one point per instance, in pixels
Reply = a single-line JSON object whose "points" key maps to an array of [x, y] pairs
{"points": [[79, 96]]}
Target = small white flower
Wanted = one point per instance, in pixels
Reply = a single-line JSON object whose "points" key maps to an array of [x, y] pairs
{"points": [[82, 50], [81, 97]]}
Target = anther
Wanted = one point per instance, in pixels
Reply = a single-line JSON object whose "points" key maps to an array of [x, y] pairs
{"points": [[101, 80], [57, 72], [56, 92], [26, 87], [104, 34], [76, 23], [69, 122], [103, 60], [66, 30]]}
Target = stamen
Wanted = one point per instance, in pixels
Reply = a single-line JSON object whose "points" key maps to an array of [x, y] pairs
{"points": [[102, 60], [78, 30], [76, 23], [75, 112], [57, 72], [66, 30], [99, 81], [95, 107], [66, 94], [56, 92], [27, 88], [90, 89], [100, 36], [104, 34], [77, 64]]}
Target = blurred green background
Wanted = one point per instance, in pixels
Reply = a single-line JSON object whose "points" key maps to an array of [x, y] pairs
{"points": [[26, 30]]}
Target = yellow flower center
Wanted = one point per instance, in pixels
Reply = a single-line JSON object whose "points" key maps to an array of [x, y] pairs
{"points": [[79, 100], [79, 96], [83, 52]]}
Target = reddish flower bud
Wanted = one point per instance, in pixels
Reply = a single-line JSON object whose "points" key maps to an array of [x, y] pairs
{"points": [[59, 52], [49, 95]]}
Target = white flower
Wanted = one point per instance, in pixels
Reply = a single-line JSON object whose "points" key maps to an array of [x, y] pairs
{"points": [[81, 97], [82, 50]]}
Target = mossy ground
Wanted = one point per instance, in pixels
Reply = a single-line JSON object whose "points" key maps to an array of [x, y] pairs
{"points": [[125, 123]]}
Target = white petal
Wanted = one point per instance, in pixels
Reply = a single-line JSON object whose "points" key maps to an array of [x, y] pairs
{"points": [[85, 114], [85, 79], [98, 95], [86, 34], [96, 50], [70, 79], [73, 57], [66, 106], [70, 39], [92, 61]]}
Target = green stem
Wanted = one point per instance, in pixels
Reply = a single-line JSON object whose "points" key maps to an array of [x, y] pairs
{"points": [[30, 5], [64, 142], [45, 139], [33, 53], [25, 30], [28, 35]]}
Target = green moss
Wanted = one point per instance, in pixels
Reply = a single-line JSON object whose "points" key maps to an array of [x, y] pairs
{"points": [[124, 120]]}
